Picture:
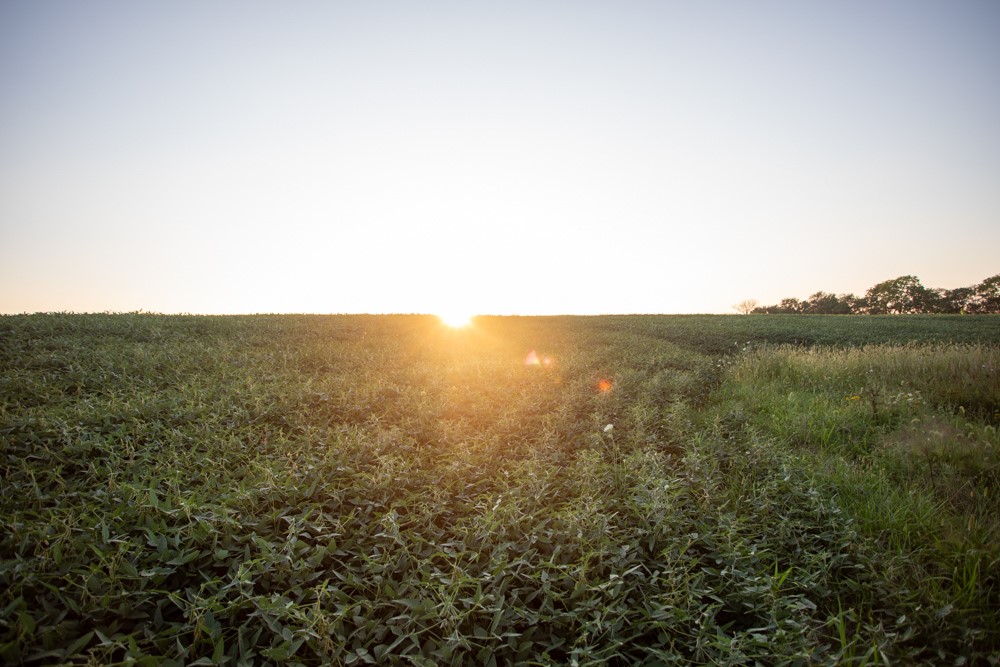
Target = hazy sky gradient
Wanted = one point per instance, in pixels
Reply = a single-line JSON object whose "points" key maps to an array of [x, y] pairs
{"points": [[515, 157]]}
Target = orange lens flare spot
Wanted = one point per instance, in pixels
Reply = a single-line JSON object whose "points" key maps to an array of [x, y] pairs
{"points": [[604, 386]]}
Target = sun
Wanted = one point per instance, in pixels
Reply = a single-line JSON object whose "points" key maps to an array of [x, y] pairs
{"points": [[456, 319]]}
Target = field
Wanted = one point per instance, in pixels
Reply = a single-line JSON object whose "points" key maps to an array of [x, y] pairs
{"points": [[568, 490]]}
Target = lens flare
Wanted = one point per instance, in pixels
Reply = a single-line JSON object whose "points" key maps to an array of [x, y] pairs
{"points": [[604, 386], [533, 359]]}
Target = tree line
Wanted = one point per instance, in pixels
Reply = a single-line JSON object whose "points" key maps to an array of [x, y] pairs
{"points": [[900, 296]]}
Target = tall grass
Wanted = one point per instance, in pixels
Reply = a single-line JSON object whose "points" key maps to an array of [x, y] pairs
{"points": [[905, 438]]}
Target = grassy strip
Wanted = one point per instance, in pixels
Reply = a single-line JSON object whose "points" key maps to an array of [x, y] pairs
{"points": [[905, 440]]}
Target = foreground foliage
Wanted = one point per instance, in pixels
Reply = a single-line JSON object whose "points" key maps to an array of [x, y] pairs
{"points": [[360, 489]]}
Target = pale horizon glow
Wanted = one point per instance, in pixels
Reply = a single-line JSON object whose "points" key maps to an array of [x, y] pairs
{"points": [[498, 158]]}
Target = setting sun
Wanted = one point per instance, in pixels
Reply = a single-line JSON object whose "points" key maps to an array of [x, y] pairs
{"points": [[456, 319]]}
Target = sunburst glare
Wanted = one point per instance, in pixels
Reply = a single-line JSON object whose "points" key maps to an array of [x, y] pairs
{"points": [[456, 318]]}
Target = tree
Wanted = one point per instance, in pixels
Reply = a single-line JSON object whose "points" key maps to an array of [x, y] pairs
{"points": [[746, 307], [791, 305], [854, 303], [824, 303], [953, 301], [899, 296], [786, 307], [986, 297]]}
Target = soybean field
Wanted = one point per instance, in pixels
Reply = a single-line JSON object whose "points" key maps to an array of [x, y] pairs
{"points": [[612, 490]]}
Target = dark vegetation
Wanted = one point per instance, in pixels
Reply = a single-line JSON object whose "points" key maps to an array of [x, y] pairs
{"points": [[903, 295], [384, 490]]}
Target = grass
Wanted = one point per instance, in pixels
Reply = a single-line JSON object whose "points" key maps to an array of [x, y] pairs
{"points": [[905, 439], [361, 489]]}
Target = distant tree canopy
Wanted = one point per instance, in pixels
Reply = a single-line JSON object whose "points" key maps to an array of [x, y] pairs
{"points": [[899, 296]]}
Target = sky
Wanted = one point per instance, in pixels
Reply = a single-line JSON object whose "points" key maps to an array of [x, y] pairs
{"points": [[523, 157]]}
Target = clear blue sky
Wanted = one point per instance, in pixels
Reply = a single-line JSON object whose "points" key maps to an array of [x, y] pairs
{"points": [[514, 157]]}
